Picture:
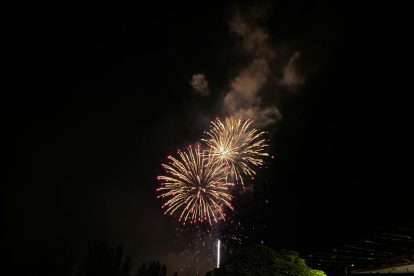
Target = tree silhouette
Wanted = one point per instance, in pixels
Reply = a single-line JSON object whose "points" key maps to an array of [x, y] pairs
{"points": [[155, 268], [46, 256], [259, 260], [103, 260]]}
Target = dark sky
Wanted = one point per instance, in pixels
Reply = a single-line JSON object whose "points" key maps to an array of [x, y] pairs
{"points": [[97, 96]]}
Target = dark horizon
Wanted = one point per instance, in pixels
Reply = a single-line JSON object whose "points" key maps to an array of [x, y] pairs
{"points": [[97, 97]]}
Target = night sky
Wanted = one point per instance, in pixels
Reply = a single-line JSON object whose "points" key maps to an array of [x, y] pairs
{"points": [[98, 95]]}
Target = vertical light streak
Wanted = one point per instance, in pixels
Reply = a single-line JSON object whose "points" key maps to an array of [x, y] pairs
{"points": [[218, 253]]}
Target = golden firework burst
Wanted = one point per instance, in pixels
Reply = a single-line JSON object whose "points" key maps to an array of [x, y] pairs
{"points": [[197, 185], [237, 146]]}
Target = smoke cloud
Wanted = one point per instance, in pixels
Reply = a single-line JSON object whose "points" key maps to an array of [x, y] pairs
{"points": [[243, 99], [254, 39], [290, 75], [200, 84]]}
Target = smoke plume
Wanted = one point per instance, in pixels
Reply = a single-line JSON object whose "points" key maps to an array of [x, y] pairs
{"points": [[200, 84], [290, 75], [244, 98]]}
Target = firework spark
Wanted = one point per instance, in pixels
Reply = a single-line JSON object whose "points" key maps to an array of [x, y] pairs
{"points": [[197, 185], [232, 143]]}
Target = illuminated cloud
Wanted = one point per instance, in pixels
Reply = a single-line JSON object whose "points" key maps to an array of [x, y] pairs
{"points": [[243, 99], [200, 84], [254, 38], [290, 75]]}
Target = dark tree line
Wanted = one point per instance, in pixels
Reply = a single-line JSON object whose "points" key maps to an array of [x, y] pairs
{"points": [[103, 260], [154, 268], [41, 257], [259, 260], [62, 257]]}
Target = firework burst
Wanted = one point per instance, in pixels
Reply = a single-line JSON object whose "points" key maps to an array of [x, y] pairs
{"points": [[197, 185], [235, 145]]}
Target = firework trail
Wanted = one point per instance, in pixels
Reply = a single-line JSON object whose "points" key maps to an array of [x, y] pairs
{"points": [[197, 185], [236, 146]]}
